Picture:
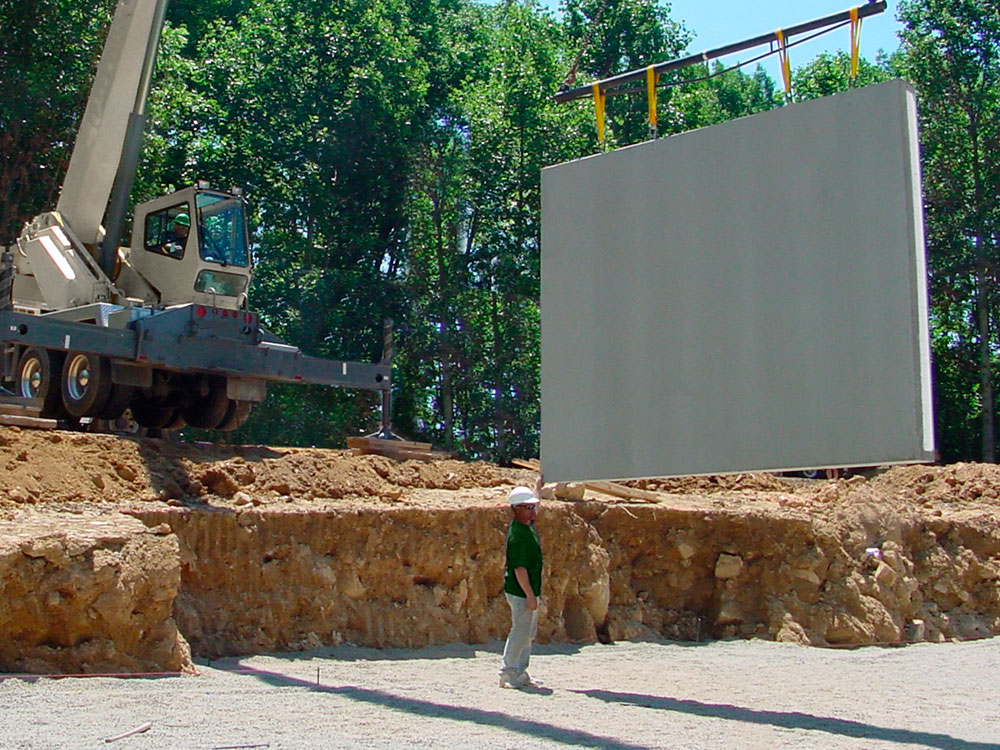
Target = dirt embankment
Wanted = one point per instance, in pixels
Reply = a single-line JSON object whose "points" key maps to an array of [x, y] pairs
{"points": [[244, 550]]}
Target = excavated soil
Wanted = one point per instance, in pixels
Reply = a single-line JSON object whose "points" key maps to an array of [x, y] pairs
{"points": [[133, 555]]}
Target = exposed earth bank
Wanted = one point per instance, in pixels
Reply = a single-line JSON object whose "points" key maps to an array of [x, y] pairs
{"points": [[132, 555]]}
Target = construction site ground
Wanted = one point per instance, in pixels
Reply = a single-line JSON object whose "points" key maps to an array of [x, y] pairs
{"points": [[700, 611], [747, 694]]}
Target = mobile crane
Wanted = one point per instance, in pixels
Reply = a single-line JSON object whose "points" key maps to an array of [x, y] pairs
{"points": [[162, 328]]}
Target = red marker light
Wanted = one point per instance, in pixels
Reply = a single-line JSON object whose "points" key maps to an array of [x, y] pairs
{"points": [[201, 312]]}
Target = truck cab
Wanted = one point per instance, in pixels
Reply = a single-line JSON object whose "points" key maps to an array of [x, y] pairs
{"points": [[192, 247]]}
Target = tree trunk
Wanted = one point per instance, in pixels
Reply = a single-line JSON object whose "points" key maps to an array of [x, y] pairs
{"points": [[985, 360]]}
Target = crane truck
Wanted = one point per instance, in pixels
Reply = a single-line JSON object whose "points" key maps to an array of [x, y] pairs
{"points": [[161, 328]]}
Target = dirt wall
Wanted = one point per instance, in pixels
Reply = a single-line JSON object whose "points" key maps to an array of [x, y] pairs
{"points": [[258, 581], [88, 593], [122, 555]]}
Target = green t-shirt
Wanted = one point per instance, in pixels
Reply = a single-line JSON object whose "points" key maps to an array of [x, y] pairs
{"points": [[523, 551]]}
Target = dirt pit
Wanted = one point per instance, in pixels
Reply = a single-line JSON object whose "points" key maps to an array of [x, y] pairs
{"points": [[140, 555]]}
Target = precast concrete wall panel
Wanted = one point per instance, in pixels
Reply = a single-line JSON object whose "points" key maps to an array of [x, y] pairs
{"points": [[748, 296]]}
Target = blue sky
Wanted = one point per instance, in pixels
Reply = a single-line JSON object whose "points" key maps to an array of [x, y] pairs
{"points": [[715, 23]]}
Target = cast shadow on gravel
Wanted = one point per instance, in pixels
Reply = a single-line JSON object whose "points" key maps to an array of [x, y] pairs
{"points": [[432, 653], [791, 720], [534, 729]]}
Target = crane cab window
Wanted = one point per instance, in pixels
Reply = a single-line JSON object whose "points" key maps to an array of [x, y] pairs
{"points": [[218, 282], [222, 229], [166, 231]]}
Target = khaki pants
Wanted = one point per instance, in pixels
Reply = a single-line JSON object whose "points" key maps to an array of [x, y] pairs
{"points": [[523, 627]]}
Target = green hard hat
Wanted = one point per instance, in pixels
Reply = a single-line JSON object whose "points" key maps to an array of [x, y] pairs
{"points": [[183, 220]]}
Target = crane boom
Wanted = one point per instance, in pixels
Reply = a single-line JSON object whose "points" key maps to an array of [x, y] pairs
{"points": [[79, 329], [120, 87]]}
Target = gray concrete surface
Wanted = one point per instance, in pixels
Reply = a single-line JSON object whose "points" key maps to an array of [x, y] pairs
{"points": [[742, 297], [627, 696]]}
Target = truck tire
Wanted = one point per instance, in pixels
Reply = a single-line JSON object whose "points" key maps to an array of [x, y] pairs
{"points": [[208, 410], [86, 384], [153, 416], [236, 415], [118, 401], [38, 373]]}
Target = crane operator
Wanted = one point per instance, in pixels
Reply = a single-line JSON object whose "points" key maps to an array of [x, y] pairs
{"points": [[172, 242]]}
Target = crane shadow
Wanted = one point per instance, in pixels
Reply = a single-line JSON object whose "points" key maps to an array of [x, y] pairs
{"points": [[533, 729], [792, 720]]}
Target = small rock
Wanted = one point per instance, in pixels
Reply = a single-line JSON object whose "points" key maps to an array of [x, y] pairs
{"points": [[916, 631], [569, 490], [685, 550], [808, 575], [728, 566], [886, 575], [729, 613], [98, 481], [242, 498], [125, 472]]}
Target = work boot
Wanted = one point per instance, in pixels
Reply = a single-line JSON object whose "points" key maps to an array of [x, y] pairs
{"points": [[508, 680]]}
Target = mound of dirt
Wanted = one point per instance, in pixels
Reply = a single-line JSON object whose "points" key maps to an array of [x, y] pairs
{"points": [[56, 468]]}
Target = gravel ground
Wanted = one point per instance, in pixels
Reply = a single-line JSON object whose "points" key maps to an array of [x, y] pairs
{"points": [[627, 696]]}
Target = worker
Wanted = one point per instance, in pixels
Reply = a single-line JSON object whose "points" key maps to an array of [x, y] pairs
{"points": [[172, 242], [522, 585]]}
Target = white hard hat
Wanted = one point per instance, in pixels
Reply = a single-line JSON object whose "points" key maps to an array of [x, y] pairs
{"points": [[522, 496]]}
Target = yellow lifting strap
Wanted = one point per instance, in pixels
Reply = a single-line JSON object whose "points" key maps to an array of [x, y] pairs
{"points": [[599, 109], [651, 78], [855, 41], [786, 71]]}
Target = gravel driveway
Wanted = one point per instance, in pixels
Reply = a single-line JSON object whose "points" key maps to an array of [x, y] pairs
{"points": [[627, 696]]}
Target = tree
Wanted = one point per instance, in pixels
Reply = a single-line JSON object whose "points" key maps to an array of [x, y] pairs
{"points": [[831, 73], [614, 36], [46, 84], [473, 271], [313, 108], [951, 52]]}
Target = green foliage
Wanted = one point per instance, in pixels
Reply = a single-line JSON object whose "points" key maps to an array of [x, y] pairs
{"points": [[615, 36], [48, 53], [470, 357], [830, 73], [951, 52], [392, 150]]}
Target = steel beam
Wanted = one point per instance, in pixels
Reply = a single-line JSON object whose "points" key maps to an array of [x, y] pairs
{"points": [[608, 85]]}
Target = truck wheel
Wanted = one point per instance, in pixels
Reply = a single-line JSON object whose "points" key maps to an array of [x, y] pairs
{"points": [[118, 401], [175, 421], [152, 416], [86, 384], [208, 410], [236, 415], [123, 424], [38, 376]]}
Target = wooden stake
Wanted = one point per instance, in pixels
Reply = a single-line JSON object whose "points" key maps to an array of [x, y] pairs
{"points": [[620, 490], [138, 730]]}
